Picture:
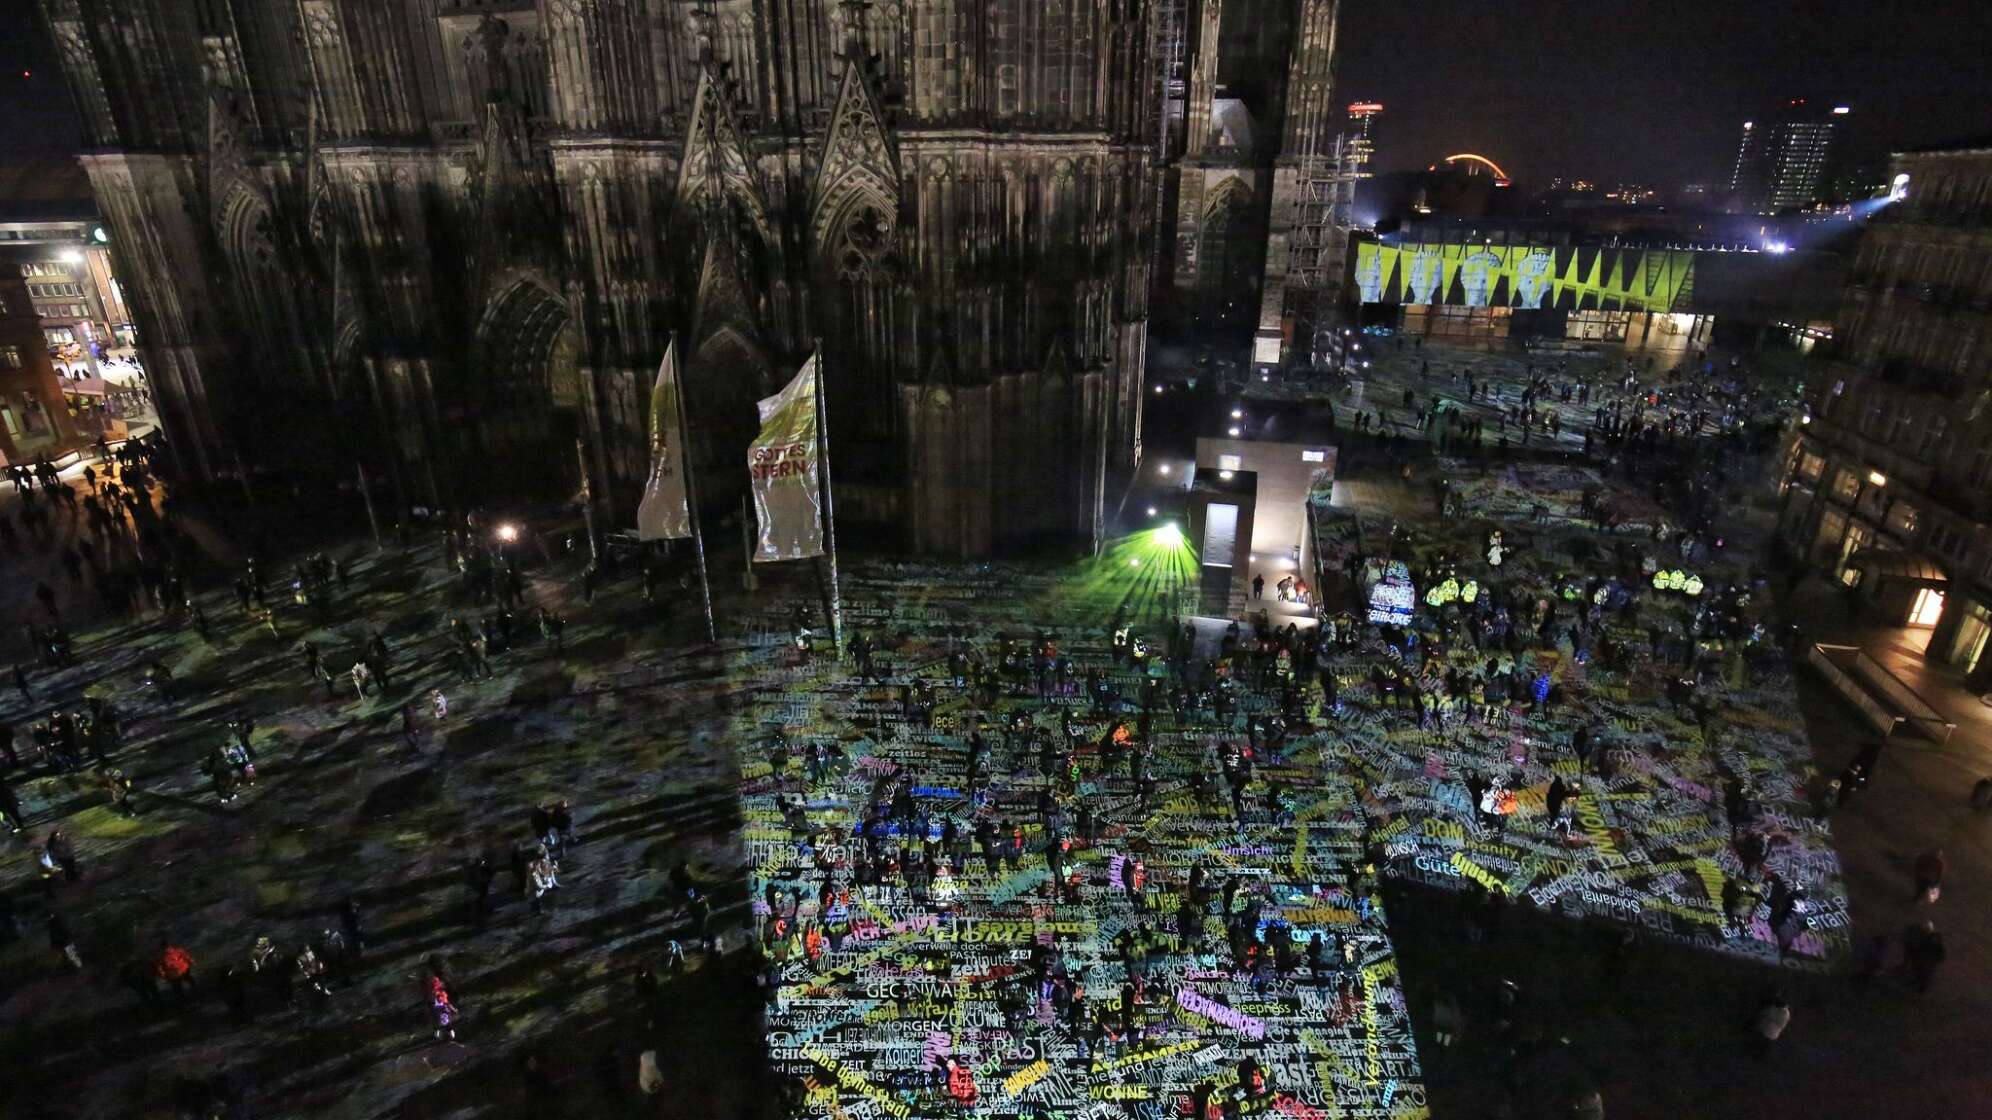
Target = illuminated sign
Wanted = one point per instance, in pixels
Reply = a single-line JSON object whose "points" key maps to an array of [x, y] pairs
{"points": [[1392, 597], [1528, 276], [1266, 349]]}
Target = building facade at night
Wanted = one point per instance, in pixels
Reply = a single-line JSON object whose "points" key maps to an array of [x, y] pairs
{"points": [[49, 222], [469, 227], [1781, 161], [34, 414], [1888, 488], [1257, 181], [460, 232]]}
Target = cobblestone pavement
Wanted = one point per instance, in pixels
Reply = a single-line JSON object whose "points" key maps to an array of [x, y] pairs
{"points": [[615, 719], [1404, 383], [1696, 751], [663, 748], [975, 968]]}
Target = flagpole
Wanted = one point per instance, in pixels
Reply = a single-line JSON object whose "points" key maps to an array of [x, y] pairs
{"points": [[829, 507], [747, 579], [692, 502]]}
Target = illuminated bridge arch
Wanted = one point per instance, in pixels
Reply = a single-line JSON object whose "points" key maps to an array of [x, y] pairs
{"points": [[1481, 160]]}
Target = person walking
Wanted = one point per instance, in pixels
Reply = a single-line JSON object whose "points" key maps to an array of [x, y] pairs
{"points": [[355, 927], [541, 878], [175, 970], [411, 729], [1922, 951], [1768, 1024], [477, 875], [63, 942], [57, 853], [10, 806], [1258, 586], [442, 1009], [1929, 876]]}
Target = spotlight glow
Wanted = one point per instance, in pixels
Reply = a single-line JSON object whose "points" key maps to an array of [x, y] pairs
{"points": [[1233, 431], [1238, 414], [1151, 511], [508, 532], [1169, 535]]}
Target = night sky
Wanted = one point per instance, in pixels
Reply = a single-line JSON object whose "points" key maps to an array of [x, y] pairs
{"points": [[36, 113], [1656, 93], [1608, 90]]}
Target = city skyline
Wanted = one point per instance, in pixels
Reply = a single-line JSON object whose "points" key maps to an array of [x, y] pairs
{"points": [[1910, 83], [1680, 83]]}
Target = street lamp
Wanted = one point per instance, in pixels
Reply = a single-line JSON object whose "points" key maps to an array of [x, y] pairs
{"points": [[508, 532]]}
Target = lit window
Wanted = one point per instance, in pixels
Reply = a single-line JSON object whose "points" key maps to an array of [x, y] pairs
{"points": [[1230, 463], [1314, 456], [10, 357], [1902, 519]]}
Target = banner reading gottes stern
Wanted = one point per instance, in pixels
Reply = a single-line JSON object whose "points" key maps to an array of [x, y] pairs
{"points": [[782, 465]]}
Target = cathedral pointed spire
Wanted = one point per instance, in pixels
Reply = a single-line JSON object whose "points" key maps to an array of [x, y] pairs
{"points": [[718, 174], [854, 203]]}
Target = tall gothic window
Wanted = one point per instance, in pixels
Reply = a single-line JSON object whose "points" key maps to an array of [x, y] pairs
{"points": [[1227, 274]]}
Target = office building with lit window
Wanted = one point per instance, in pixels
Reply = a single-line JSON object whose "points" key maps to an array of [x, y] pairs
{"points": [[35, 415], [1888, 485], [49, 223], [1781, 161]]}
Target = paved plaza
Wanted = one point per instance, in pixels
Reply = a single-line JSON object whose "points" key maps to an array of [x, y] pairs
{"points": [[1033, 852], [1655, 716], [1526, 401], [1108, 988]]}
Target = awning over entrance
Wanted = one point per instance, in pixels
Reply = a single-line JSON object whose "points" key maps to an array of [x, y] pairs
{"points": [[1893, 563]]}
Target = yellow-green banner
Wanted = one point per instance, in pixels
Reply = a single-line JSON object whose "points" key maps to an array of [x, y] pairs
{"points": [[1537, 277]]}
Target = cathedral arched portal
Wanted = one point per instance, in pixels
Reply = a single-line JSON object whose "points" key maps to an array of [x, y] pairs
{"points": [[1228, 260], [524, 392], [728, 373], [260, 283]]}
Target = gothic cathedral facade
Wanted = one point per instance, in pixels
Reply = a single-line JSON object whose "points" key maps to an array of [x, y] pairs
{"points": [[452, 238]]}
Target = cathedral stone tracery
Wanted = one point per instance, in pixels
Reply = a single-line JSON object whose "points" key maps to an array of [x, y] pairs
{"points": [[459, 233]]}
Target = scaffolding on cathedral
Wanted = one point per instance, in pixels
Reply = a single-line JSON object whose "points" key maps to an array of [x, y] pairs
{"points": [[1324, 212]]}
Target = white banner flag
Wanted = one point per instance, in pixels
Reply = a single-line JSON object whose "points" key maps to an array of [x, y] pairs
{"points": [[664, 511], [782, 464]]}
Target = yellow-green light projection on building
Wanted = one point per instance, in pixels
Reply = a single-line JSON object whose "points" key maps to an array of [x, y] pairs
{"points": [[1536, 277]]}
